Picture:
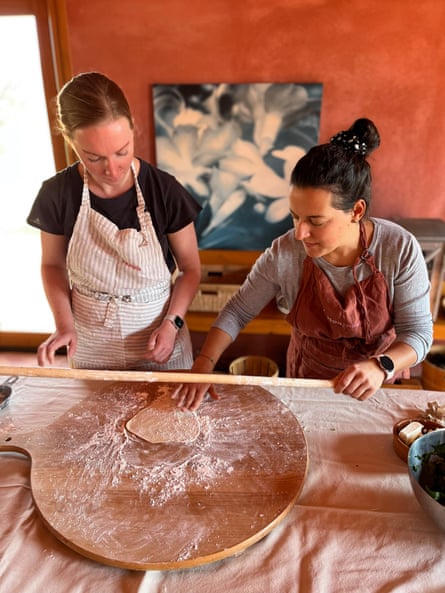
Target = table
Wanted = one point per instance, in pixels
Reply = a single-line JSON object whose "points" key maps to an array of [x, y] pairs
{"points": [[356, 525]]}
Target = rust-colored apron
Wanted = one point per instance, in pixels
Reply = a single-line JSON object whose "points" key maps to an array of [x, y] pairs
{"points": [[330, 331]]}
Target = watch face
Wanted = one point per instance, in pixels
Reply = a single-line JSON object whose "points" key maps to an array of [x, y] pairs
{"points": [[386, 363], [179, 322]]}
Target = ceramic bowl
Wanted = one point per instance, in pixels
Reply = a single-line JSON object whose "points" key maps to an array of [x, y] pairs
{"points": [[417, 450]]}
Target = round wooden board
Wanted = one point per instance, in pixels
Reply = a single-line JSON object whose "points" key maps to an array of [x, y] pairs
{"points": [[122, 501]]}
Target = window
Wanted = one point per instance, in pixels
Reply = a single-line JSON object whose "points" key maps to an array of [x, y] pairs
{"points": [[29, 153]]}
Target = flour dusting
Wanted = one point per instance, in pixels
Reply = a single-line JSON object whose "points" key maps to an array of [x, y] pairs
{"points": [[115, 490]]}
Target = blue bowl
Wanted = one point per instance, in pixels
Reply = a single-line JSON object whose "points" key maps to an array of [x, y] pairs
{"points": [[417, 450]]}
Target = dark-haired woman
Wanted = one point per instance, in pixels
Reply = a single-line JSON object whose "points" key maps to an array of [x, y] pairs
{"points": [[114, 231], [356, 287]]}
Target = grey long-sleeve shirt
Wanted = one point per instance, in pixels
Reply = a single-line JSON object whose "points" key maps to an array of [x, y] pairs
{"points": [[277, 274]]}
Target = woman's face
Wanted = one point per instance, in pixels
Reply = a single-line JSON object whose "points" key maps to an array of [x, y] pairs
{"points": [[107, 151], [324, 230]]}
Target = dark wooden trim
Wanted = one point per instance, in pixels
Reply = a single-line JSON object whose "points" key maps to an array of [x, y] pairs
{"points": [[23, 342]]}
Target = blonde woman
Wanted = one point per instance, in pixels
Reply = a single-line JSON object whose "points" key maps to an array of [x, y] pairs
{"points": [[114, 229]]}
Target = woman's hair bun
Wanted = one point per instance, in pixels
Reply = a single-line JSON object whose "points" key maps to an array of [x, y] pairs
{"points": [[361, 138]]}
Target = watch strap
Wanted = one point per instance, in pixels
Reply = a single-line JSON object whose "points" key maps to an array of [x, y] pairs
{"points": [[177, 321], [387, 365]]}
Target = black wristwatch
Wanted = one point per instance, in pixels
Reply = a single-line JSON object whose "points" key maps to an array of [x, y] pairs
{"points": [[177, 321], [387, 366]]}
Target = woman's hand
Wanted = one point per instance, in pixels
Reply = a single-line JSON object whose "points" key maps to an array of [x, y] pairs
{"points": [[190, 395], [359, 380], [57, 290], [161, 343], [60, 338]]}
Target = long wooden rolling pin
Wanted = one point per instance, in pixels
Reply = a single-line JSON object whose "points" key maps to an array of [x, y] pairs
{"points": [[161, 376]]}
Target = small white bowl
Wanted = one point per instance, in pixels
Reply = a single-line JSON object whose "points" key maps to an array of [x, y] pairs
{"points": [[417, 450]]}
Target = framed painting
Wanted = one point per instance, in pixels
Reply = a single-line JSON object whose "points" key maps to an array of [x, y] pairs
{"points": [[233, 146]]}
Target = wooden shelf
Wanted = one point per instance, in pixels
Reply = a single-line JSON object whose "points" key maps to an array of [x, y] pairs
{"points": [[273, 322], [270, 322], [439, 323], [439, 329], [234, 266]]}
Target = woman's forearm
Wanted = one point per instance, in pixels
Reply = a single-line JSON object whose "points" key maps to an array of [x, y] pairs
{"points": [[216, 342], [185, 250], [58, 295], [183, 292]]}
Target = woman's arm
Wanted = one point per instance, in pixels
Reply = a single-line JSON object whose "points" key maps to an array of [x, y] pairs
{"points": [[184, 246], [407, 277], [266, 279], [191, 395], [401, 260], [362, 379], [56, 286]]}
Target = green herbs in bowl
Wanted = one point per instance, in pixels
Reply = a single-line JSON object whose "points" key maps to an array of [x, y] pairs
{"points": [[432, 474], [426, 467]]}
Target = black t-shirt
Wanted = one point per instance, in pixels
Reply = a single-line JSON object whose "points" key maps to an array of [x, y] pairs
{"points": [[171, 207]]}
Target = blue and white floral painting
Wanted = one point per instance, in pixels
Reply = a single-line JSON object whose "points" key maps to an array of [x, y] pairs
{"points": [[233, 146]]}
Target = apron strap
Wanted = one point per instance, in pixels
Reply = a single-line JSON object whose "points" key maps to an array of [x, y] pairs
{"points": [[140, 209]]}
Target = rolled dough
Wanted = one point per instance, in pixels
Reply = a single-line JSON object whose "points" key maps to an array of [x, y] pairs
{"points": [[164, 422]]}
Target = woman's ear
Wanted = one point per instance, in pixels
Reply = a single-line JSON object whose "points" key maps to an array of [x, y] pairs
{"points": [[358, 210]]}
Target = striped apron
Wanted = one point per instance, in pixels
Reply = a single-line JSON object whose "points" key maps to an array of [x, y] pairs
{"points": [[121, 287]]}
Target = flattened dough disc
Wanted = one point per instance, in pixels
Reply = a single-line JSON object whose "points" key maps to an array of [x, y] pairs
{"points": [[164, 422]]}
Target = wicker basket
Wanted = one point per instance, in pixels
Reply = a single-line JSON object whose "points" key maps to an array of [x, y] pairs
{"points": [[212, 297], [254, 365]]}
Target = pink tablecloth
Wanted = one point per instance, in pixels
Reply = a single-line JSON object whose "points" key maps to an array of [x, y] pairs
{"points": [[356, 525]]}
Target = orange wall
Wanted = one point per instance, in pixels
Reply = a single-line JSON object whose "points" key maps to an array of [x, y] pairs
{"points": [[382, 59]]}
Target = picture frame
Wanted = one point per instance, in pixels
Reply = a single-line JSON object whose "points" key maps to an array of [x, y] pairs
{"points": [[233, 147]]}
